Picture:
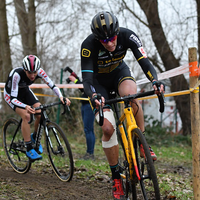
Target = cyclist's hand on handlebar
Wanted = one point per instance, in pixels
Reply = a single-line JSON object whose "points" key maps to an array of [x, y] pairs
{"points": [[158, 86], [30, 110], [65, 101], [95, 102]]}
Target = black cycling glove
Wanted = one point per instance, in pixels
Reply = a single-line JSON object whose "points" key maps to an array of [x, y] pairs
{"points": [[98, 97], [158, 84], [93, 101]]}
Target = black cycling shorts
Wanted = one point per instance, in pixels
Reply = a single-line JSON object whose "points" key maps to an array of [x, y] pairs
{"points": [[26, 96], [108, 82]]}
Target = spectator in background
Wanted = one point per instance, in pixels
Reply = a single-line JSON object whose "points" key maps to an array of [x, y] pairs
{"points": [[88, 122]]}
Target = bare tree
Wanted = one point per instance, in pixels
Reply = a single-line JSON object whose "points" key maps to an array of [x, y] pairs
{"points": [[150, 8], [4, 43], [5, 58], [27, 25]]}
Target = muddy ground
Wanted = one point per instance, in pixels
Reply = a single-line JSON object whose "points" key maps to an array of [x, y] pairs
{"points": [[36, 185], [42, 185]]}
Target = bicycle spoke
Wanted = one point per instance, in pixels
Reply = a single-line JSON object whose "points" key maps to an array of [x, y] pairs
{"points": [[148, 187], [59, 153], [14, 147]]}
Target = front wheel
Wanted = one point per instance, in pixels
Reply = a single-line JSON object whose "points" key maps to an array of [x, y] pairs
{"points": [[14, 146], [129, 185], [149, 188], [59, 152]]}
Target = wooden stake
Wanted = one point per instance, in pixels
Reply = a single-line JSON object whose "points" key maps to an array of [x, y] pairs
{"points": [[195, 131]]}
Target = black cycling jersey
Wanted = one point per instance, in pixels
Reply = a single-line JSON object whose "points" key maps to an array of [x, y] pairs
{"points": [[95, 59]]}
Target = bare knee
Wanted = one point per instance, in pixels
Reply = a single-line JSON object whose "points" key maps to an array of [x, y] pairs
{"points": [[26, 117], [108, 130]]}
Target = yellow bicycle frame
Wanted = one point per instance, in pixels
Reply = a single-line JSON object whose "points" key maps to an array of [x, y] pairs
{"points": [[127, 140]]}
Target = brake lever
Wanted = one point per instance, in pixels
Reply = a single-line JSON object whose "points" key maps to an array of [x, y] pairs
{"points": [[161, 99], [101, 116], [32, 117], [64, 107]]}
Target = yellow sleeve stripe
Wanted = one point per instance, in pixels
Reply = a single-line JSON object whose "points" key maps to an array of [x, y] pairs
{"points": [[140, 58]]}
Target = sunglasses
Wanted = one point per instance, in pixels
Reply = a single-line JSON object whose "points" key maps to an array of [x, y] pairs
{"points": [[112, 39], [31, 72]]}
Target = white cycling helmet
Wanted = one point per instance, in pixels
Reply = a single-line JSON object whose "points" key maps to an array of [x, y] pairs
{"points": [[31, 63]]}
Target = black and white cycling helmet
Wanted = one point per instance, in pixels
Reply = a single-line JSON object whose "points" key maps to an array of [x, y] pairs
{"points": [[31, 63], [104, 25]]}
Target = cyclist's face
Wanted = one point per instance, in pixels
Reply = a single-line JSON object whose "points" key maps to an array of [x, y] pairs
{"points": [[31, 75], [110, 44]]}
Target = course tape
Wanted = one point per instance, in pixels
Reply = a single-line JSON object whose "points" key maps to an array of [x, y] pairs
{"points": [[168, 74], [165, 75]]}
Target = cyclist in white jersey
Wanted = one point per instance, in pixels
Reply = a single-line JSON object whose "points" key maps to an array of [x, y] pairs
{"points": [[22, 100]]}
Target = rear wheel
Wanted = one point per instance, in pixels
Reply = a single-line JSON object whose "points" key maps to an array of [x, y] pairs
{"points": [[59, 152], [149, 188], [14, 146]]}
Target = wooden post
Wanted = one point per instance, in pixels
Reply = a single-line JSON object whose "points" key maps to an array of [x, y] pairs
{"points": [[195, 131]]}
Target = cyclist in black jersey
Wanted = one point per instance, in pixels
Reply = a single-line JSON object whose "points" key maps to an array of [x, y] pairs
{"points": [[103, 70], [20, 98]]}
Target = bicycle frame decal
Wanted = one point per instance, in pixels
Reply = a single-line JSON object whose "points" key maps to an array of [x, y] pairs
{"points": [[127, 139]]}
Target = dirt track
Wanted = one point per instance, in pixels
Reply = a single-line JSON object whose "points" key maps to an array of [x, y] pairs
{"points": [[35, 185]]}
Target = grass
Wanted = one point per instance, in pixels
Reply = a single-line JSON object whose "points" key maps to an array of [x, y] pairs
{"points": [[174, 169], [174, 164], [88, 168], [174, 155]]}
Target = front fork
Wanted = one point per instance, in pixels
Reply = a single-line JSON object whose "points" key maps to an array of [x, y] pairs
{"points": [[59, 145], [127, 140]]}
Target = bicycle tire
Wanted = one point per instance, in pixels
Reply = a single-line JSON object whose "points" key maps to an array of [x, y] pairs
{"points": [[59, 152], [129, 185], [15, 153], [149, 187]]}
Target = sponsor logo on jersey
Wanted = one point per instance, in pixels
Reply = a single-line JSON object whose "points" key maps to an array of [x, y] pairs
{"points": [[119, 53], [150, 75], [42, 72], [45, 81], [85, 52], [17, 102], [108, 62], [15, 80], [92, 88], [101, 53], [7, 98], [141, 49], [135, 39]]}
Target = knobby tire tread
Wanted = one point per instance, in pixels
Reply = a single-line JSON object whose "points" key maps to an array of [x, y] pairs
{"points": [[7, 124], [51, 125], [138, 134]]}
